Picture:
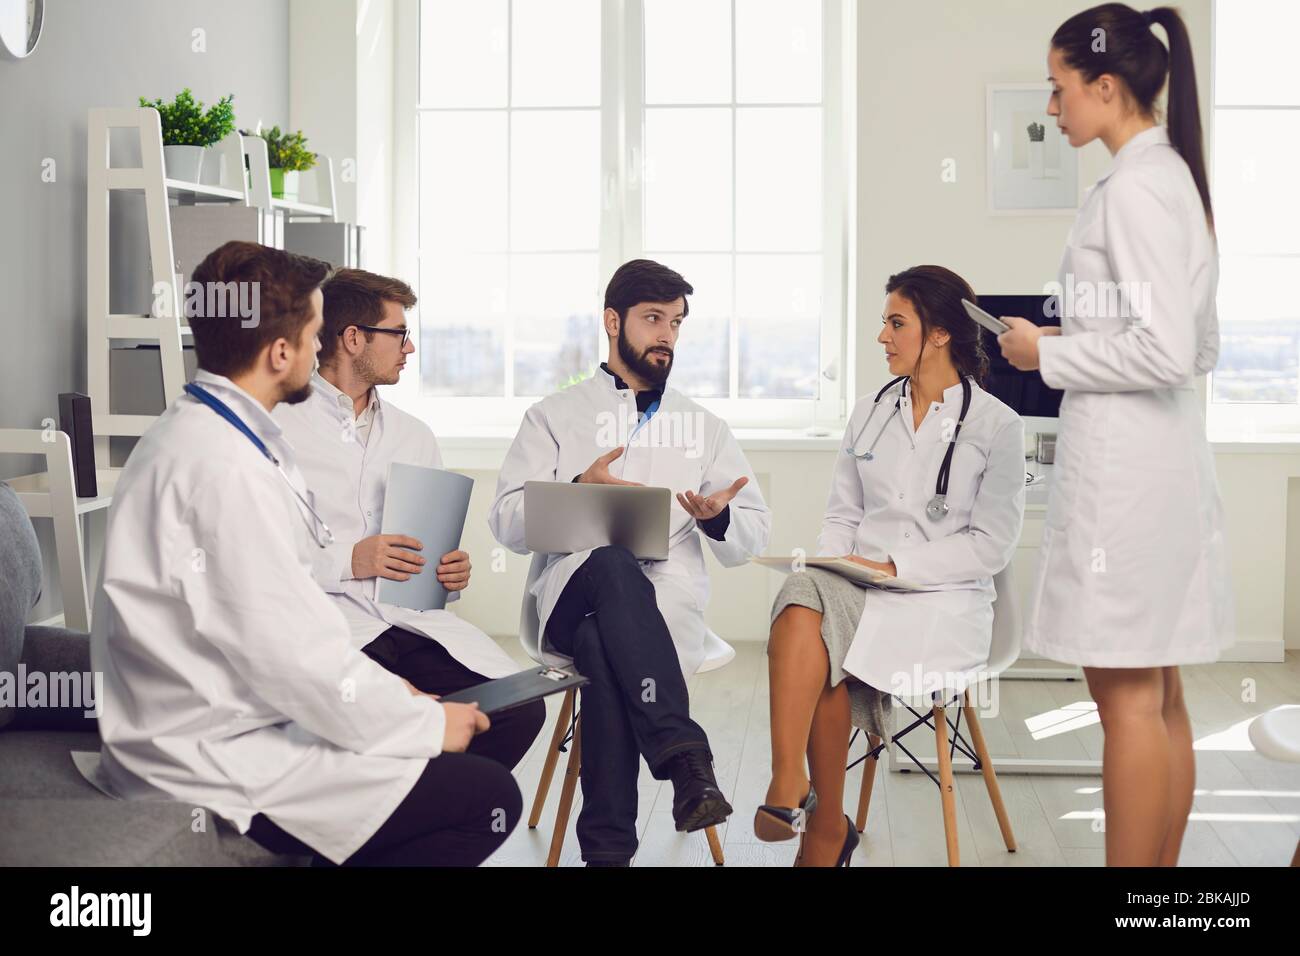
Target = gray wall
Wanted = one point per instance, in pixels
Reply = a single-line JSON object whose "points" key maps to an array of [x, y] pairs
{"points": [[99, 53]]}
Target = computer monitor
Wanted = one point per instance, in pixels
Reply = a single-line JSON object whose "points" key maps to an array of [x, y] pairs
{"points": [[1026, 392]]}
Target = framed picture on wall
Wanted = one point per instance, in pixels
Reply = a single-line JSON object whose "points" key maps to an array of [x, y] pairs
{"points": [[1032, 169]]}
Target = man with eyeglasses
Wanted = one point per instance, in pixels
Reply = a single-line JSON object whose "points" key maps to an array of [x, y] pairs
{"points": [[346, 438]]}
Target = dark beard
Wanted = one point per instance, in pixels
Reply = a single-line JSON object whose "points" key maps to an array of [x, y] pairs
{"points": [[652, 372], [298, 395]]}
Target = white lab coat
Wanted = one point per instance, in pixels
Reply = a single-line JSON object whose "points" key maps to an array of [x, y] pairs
{"points": [[347, 480], [230, 679], [683, 447], [1133, 568], [911, 643]]}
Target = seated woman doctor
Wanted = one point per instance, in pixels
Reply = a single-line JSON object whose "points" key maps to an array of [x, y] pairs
{"points": [[929, 487]]}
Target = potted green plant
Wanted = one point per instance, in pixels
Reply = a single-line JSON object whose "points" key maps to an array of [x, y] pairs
{"points": [[287, 155], [187, 131], [219, 122]]}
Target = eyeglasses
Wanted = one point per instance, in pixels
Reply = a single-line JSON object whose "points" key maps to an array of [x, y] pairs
{"points": [[404, 333]]}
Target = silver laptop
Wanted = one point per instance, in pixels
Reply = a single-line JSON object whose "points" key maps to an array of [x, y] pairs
{"points": [[562, 517]]}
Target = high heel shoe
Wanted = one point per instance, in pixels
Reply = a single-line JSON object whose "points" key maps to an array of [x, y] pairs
{"points": [[851, 841], [773, 824]]}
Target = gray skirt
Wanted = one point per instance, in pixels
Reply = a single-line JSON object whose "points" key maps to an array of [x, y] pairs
{"points": [[840, 602]]}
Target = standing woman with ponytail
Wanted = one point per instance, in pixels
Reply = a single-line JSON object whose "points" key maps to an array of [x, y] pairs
{"points": [[1132, 580]]}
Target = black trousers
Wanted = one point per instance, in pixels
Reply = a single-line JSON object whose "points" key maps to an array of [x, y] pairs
{"points": [[459, 812], [464, 805], [636, 704]]}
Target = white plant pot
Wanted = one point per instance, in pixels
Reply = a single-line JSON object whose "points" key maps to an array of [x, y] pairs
{"points": [[183, 162], [214, 167], [1036, 159]]}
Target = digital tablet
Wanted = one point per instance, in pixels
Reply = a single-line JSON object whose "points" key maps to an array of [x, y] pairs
{"points": [[990, 322], [507, 693]]}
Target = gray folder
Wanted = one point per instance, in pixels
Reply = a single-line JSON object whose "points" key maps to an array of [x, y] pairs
{"points": [[430, 505]]}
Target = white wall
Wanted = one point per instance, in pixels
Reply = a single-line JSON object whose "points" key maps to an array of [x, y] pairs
{"points": [[341, 96], [323, 86]]}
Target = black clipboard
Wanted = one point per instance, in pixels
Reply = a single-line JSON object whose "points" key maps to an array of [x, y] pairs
{"points": [[507, 693]]}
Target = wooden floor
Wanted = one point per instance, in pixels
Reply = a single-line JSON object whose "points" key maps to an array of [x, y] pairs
{"points": [[1246, 812]]}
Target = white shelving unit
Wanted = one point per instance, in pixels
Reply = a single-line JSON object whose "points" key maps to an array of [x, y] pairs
{"points": [[246, 181], [316, 200], [167, 328], [164, 328]]}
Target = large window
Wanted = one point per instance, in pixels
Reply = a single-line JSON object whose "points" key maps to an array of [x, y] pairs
{"points": [[1256, 191], [559, 138]]}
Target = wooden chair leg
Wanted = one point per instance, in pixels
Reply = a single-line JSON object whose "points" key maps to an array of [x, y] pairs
{"points": [[868, 781], [571, 771], [946, 793], [552, 756], [1295, 860], [715, 845], [990, 778]]}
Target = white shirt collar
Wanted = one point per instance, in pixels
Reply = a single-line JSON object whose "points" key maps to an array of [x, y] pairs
{"points": [[951, 393], [340, 399], [253, 413], [1155, 136]]}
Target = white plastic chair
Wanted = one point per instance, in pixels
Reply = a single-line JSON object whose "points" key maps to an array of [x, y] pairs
{"points": [[1277, 735], [1004, 648], [568, 726]]}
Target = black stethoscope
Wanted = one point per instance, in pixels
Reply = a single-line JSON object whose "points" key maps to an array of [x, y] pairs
{"points": [[938, 505], [225, 411]]}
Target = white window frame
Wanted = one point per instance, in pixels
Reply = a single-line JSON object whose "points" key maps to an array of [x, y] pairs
{"points": [[622, 84], [1243, 421]]}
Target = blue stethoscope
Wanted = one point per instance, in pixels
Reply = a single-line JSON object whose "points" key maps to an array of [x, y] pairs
{"points": [[221, 408], [938, 505]]}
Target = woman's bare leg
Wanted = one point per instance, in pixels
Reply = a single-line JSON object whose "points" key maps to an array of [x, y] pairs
{"points": [[798, 668], [1135, 762], [1182, 765], [828, 752]]}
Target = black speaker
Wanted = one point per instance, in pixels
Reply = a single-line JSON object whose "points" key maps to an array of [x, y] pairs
{"points": [[74, 421]]}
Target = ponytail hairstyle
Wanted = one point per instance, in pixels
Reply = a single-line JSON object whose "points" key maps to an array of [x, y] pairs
{"points": [[936, 294], [1116, 39]]}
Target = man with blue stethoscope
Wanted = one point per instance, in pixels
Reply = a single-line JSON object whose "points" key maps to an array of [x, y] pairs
{"points": [[231, 681], [929, 488]]}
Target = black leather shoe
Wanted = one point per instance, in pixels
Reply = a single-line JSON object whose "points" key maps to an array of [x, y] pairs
{"points": [[697, 800]]}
